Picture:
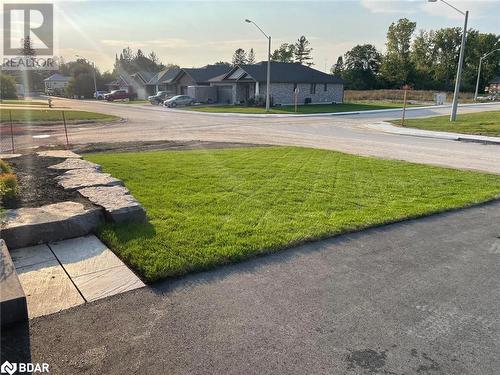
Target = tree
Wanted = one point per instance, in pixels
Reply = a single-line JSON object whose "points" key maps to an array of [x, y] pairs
{"points": [[361, 67], [447, 48], [239, 57], [222, 63], [302, 51], [397, 67], [478, 44], [251, 57], [284, 53], [423, 55], [81, 85], [338, 68], [27, 49], [7, 87]]}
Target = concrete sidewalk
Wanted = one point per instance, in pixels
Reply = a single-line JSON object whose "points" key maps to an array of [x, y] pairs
{"points": [[389, 128], [415, 297], [64, 274]]}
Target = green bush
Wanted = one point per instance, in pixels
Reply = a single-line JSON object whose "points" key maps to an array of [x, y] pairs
{"points": [[4, 167], [7, 87], [8, 186]]}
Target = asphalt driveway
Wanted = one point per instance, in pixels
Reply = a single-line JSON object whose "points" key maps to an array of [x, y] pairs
{"points": [[419, 297]]}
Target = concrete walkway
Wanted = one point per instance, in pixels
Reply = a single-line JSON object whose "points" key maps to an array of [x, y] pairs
{"points": [[68, 273], [419, 297], [389, 128]]}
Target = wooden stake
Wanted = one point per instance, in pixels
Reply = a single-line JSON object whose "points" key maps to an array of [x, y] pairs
{"points": [[404, 106], [65, 130], [11, 131]]}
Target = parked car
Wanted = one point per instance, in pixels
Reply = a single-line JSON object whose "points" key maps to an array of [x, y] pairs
{"points": [[99, 95], [178, 100], [159, 98], [119, 94]]}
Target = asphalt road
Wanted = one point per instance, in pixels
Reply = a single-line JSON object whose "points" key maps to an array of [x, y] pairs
{"points": [[418, 297], [348, 133]]}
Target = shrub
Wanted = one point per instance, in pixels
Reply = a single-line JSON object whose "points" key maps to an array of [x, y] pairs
{"points": [[4, 167], [8, 186], [7, 87]]}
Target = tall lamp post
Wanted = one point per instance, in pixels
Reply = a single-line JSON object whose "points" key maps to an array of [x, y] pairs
{"points": [[479, 70], [454, 106], [93, 66], [268, 64]]}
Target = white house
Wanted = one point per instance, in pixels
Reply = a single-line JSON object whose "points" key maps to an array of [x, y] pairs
{"points": [[56, 84]]}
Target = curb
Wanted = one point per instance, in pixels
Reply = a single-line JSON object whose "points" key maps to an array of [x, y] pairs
{"points": [[413, 132]]}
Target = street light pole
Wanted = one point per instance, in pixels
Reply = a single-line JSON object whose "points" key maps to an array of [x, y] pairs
{"points": [[268, 85], [479, 70], [454, 105]]}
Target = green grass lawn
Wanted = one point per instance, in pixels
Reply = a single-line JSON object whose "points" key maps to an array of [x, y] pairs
{"points": [[213, 207], [138, 101], [483, 123], [23, 102], [28, 115], [310, 108]]}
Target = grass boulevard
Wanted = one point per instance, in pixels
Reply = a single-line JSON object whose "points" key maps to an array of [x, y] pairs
{"points": [[33, 115], [301, 109], [484, 123], [214, 207]]}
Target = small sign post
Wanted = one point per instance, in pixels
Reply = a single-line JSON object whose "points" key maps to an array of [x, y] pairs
{"points": [[405, 88], [296, 95]]}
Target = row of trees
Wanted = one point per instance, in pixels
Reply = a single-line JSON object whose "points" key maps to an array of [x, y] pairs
{"points": [[426, 60], [299, 52]]}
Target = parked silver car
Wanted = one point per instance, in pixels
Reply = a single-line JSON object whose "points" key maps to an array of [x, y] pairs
{"points": [[178, 100]]}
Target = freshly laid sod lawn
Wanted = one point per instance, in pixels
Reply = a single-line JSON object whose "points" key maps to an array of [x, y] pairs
{"points": [[213, 207], [483, 123], [310, 108], [28, 115]]}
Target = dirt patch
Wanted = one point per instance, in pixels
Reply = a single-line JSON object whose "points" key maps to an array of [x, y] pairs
{"points": [[157, 145], [37, 186]]}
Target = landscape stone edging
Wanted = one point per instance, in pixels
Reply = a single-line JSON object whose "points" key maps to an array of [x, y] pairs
{"points": [[119, 205], [13, 305], [75, 163], [100, 188], [34, 225], [75, 179]]}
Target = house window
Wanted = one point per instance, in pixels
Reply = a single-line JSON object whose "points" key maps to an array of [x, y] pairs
{"points": [[313, 88], [294, 87], [325, 88]]}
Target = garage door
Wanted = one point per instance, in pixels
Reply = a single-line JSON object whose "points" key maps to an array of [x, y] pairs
{"points": [[225, 94]]}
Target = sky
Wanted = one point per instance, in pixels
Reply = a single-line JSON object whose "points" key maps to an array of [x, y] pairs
{"points": [[196, 33]]}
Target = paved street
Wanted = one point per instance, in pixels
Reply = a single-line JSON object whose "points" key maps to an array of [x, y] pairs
{"points": [[348, 133], [415, 297]]}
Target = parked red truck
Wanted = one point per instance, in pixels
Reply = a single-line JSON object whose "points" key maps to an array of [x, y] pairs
{"points": [[119, 95]]}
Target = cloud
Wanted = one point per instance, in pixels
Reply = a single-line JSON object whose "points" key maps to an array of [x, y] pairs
{"points": [[161, 43], [391, 6], [477, 8]]}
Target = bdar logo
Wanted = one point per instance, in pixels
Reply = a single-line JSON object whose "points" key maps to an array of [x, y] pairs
{"points": [[8, 368]]}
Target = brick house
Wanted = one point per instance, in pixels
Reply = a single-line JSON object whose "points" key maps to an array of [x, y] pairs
{"points": [[494, 86], [287, 80]]}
